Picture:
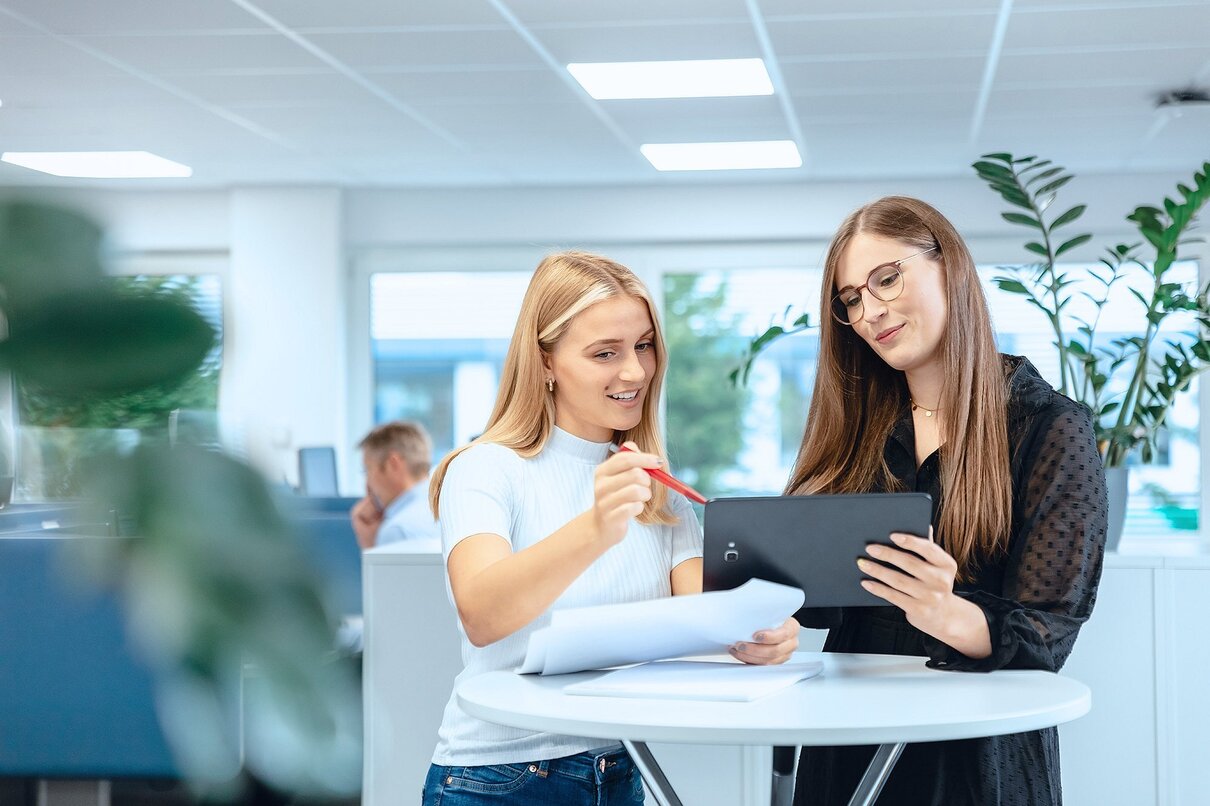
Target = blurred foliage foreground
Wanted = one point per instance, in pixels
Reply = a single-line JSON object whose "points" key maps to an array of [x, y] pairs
{"points": [[215, 585]]}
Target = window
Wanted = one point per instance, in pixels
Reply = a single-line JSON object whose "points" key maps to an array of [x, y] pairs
{"points": [[1164, 493], [438, 341], [723, 440], [55, 431], [730, 441]]}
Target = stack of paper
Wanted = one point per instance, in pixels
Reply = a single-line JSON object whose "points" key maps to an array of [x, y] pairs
{"points": [[697, 680], [615, 635]]}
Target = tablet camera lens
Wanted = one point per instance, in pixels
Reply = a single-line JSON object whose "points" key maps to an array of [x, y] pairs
{"points": [[730, 556]]}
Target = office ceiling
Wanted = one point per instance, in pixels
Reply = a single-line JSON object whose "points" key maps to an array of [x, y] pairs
{"points": [[473, 92]]}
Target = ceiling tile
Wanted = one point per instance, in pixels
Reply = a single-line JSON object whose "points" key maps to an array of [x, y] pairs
{"points": [[544, 12], [305, 14], [836, 77], [404, 49], [1043, 101], [1169, 67], [41, 91], [236, 91], [1128, 28], [491, 87], [905, 109], [573, 121], [701, 40], [134, 16], [167, 54], [913, 35], [43, 55], [773, 9]]}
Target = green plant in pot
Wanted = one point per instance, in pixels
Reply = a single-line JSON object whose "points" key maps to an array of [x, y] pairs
{"points": [[215, 583], [1131, 382]]}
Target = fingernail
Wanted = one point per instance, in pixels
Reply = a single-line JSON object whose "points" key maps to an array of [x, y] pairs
{"points": [[873, 549], [739, 647], [898, 538], [760, 636], [861, 563]]}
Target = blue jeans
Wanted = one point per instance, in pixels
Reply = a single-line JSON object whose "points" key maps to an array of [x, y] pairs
{"points": [[586, 779]]}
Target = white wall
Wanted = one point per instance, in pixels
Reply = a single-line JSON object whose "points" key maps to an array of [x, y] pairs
{"points": [[692, 212]]}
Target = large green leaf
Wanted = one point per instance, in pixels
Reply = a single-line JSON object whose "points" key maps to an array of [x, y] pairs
{"points": [[103, 342], [1070, 216], [1021, 218], [46, 251], [217, 582]]}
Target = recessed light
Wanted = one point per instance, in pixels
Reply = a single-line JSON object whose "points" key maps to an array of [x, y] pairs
{"points": [[722, 156], [98, 164], [702, 78]]}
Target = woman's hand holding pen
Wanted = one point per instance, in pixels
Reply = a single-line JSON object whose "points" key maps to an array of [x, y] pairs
{"points": [[620, 490], [921, 584], [768, 647]]}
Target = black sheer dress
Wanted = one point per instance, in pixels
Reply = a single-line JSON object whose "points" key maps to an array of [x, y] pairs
{"points": [[1035, 598]]}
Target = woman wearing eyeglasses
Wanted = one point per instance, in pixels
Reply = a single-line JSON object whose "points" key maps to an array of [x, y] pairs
{"points": [[912, 395]]}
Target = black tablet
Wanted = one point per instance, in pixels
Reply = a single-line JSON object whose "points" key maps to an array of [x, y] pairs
{"points": [[808, 541]]}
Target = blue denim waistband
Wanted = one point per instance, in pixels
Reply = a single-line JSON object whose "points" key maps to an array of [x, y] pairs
{"points": [[594, 766]]}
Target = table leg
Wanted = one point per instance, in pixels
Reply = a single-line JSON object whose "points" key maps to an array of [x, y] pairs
{"points": [[784, 760], [876, 774], [653, 776]]}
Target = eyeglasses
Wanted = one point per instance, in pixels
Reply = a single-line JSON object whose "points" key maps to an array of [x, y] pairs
{"points": [[884, 283]]}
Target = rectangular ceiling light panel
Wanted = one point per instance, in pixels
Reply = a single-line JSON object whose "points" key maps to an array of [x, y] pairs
{"points": [[98, 164], [722, 156], [704, 78]]}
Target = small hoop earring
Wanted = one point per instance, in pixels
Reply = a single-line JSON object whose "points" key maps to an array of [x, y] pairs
{"points": [[550, 385]]}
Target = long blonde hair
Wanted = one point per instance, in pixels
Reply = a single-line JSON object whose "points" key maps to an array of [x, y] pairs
{"points": [[564, 286], [858, 397]]}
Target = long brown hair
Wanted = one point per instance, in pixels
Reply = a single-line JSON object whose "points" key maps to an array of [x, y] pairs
{"points": [[858, 397], [563, 286]]}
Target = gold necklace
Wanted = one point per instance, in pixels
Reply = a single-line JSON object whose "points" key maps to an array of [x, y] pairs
{"points": [[927, 412]]}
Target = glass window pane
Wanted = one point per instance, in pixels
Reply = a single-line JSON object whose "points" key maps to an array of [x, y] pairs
{"points": [[438, 341], [1164, 493], [728, 441]]}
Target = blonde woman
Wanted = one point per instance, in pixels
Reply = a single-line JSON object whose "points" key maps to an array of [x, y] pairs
{"points": [[536, 514], [911, 395]]}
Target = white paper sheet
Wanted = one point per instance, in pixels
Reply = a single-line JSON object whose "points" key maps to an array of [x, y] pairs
{"points": [[615, 635], [696, 680]]}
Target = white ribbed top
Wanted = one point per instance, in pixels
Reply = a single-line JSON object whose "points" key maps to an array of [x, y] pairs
{"points": [[490, 489]]}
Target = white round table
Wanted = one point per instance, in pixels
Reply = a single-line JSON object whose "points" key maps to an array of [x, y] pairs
{"points": [[857, 699]]}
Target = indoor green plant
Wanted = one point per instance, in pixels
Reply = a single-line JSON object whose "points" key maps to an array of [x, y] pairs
{"points": [[1149, 371], [215, 582], [1130, 383]]}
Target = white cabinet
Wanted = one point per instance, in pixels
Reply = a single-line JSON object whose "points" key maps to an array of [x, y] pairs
{"points": [[1145, 654], [1110, 755], [1186, 743]]}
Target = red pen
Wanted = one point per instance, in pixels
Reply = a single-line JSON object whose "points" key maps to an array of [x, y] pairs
{"points": [[667, 480]]}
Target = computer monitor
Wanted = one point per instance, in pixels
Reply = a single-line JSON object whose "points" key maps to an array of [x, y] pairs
{"points": [[317, 471]]}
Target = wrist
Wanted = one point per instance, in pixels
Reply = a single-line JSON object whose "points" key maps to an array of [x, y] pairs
{"points": [[966, 628]]}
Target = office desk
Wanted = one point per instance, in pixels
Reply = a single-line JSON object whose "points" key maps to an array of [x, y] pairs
{"points": [[857, 699]]}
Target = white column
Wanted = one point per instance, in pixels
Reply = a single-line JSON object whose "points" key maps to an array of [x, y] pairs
{"points": [[285, 371]]}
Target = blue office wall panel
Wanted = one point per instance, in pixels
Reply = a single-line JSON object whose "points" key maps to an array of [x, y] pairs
{"points": [[76, 698]]}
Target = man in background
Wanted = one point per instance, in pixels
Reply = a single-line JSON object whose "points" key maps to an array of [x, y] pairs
{"points": [[397, 457]]}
